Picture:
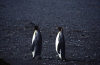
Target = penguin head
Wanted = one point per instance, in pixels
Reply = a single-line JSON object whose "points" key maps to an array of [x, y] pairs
{"points": [[36, 27], [60, 28]]}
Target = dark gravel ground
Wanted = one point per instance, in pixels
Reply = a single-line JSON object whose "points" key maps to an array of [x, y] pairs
{"points": [[79, 18]]}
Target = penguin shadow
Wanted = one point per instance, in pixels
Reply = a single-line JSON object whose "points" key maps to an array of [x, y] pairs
{"points": [[3, 62], [62, 60], [37, 58], [50, 59], [55, 59], [42, 58]]}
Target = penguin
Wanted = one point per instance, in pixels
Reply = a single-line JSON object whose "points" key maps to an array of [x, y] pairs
{"points": [[36, 43], [60, 44]]}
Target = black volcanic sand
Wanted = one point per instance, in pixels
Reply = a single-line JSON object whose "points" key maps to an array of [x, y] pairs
{"points": [[79, 19]]}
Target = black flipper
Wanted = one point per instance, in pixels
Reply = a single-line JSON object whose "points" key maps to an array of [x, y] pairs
{"points": [[58, 48], [33, 45], [32, 48]]}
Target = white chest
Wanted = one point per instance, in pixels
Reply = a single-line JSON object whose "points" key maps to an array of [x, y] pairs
{"points": [[57, 40], [34, 36]]}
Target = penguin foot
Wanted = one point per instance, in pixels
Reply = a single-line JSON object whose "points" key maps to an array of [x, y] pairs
{"points": [[36, 58], [33, 58], [64, 60]]}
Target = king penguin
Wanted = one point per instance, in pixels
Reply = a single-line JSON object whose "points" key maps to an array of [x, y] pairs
{"points": [[60, 44], [36, 43]]}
